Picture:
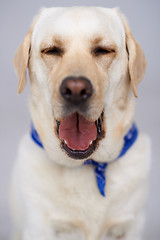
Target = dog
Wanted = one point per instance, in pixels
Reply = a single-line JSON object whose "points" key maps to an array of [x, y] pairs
{"points": [[82, 172]]}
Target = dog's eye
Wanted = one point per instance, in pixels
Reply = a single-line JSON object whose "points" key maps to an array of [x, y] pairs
{"points": [[102, 51], [53, 51]]}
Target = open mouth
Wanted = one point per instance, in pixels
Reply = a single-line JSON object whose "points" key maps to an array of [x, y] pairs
{"points": [[79, 137]]}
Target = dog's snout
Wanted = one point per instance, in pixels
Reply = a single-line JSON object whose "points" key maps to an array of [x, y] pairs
{"points": [[76, 89]]}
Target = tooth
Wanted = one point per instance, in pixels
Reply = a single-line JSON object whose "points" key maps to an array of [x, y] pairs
{"points": [[91, 142], [65, 142]]}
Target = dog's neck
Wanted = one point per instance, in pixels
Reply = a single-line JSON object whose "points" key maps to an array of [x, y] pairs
{"points": [[100, 168]]}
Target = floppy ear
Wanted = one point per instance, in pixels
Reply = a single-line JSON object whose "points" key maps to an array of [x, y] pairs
{"points": [[21, 61], [137, 62]]}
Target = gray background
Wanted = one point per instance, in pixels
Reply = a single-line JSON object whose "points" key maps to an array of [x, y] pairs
{"points": [[15, 19]]}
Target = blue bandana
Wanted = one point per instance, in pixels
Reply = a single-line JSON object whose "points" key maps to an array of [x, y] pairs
{"points": [[100, 168]]}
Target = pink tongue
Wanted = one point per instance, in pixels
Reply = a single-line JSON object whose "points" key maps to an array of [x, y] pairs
{"points": [[77, 132]]}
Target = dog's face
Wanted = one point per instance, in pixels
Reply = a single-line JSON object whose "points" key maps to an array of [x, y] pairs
{"points": [[82, 64]]}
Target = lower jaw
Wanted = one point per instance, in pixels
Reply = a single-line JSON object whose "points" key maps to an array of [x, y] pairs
{"points": [[79, 154]]}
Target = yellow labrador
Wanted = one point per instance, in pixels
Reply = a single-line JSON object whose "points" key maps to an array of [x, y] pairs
{"points": [[82, 173]]}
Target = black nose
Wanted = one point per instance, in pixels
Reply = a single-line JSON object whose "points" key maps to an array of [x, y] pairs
{"points": [[76, 89]]}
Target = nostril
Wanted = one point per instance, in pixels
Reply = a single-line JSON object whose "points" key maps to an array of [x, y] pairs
{"points": [[65, 91], [83, 93], [68, 92]]}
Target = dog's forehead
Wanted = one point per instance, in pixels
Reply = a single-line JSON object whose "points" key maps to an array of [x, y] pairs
{"points": [[79, 22]]}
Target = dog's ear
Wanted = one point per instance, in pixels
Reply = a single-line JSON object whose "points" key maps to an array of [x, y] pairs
{"points": [[21, 59], [137, 62]]}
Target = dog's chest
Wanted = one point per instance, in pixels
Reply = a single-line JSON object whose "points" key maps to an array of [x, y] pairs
{"points": [[70, 201], [75, 206]]}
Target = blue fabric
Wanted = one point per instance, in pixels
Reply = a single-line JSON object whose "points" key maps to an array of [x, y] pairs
{"points": [[129, 139], [35, 136], [100, 168]]}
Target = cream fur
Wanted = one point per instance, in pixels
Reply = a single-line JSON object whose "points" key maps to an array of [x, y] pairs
{"points": [[52, 195]]}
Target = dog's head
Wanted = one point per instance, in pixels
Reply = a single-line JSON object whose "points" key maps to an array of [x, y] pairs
{"points": [[83, 63]]}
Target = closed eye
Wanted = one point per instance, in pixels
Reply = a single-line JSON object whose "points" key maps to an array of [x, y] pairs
{"points": [[102, 51], [56, 51]]}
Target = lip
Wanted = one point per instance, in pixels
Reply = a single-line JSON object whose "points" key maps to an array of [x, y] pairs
{"points": [[79, 154]]}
